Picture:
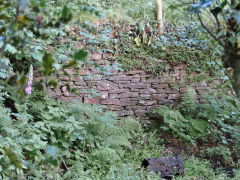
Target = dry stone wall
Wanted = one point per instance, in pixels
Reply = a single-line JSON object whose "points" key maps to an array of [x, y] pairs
{"points": [[131, 93]]}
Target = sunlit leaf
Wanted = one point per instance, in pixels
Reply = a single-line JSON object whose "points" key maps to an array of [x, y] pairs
{"points": [[13, 158], [137, 41], [48, 62]]}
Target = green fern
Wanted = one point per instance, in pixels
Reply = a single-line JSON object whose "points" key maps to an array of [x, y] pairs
{"points": [[189, 100]]}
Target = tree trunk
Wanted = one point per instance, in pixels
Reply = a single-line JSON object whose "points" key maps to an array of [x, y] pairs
{"points": [[159, 17], [232, 49], [232, 59]]}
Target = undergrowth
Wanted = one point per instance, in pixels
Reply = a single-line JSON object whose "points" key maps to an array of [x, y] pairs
{"points": [[42, 137], [212, 126]]}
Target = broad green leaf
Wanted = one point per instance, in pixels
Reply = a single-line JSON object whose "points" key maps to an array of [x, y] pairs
{"points": [[80, 55]]}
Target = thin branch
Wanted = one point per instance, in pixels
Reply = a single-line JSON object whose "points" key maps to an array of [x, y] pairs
{"points": [[211, 34], [3, 47], [64, 164]]}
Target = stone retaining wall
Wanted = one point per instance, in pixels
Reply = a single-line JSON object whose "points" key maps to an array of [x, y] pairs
{"points": [[131, 93]]}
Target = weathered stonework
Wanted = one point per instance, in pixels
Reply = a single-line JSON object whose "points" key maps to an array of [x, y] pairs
{"points": [[131, 93]]}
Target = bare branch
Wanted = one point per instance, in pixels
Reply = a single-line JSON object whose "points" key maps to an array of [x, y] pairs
{"points": [[211, 34]]}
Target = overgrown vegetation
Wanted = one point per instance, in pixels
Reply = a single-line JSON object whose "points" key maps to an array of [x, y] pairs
{"points": [[137, 45], [214, 124], [44, 134]]}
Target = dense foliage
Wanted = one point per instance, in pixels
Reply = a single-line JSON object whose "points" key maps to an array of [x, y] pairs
{"points": [[44, 133], [214, 122], [225, 31]]}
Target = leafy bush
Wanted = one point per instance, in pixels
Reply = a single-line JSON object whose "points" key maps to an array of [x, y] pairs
{"points": [[44, 132], [215, 121]]}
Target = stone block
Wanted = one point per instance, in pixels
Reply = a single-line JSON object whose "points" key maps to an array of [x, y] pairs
{"points": [[109, 101], [106, 85], [97, 56], [171, 91], [65, 91], [118, 91], [80, 83], [145, 96], [144, 80], [113, 71], [140, 111], [83, 94], [120, 78], [55, 92], [182, 90], [153, 80], [91, 100], [84, 72], [136, 107], [103, 95], [160, 86], [161, 91], [114, 108], [144, 75], [165, 102], [105, 56], [135, 72], [113, 96], [123, 82], [147, 102], [174, 96], [140, 85], [150, 108], [128, 94], [133, 90], [148, 91], [70, 71], [102, 62], [125, 113], [158, 96], [125, 99], [135, 80], [165, 80], [128, 102]]}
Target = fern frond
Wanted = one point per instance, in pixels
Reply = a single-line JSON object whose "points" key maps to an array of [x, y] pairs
{"points": [[189, 100]]}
